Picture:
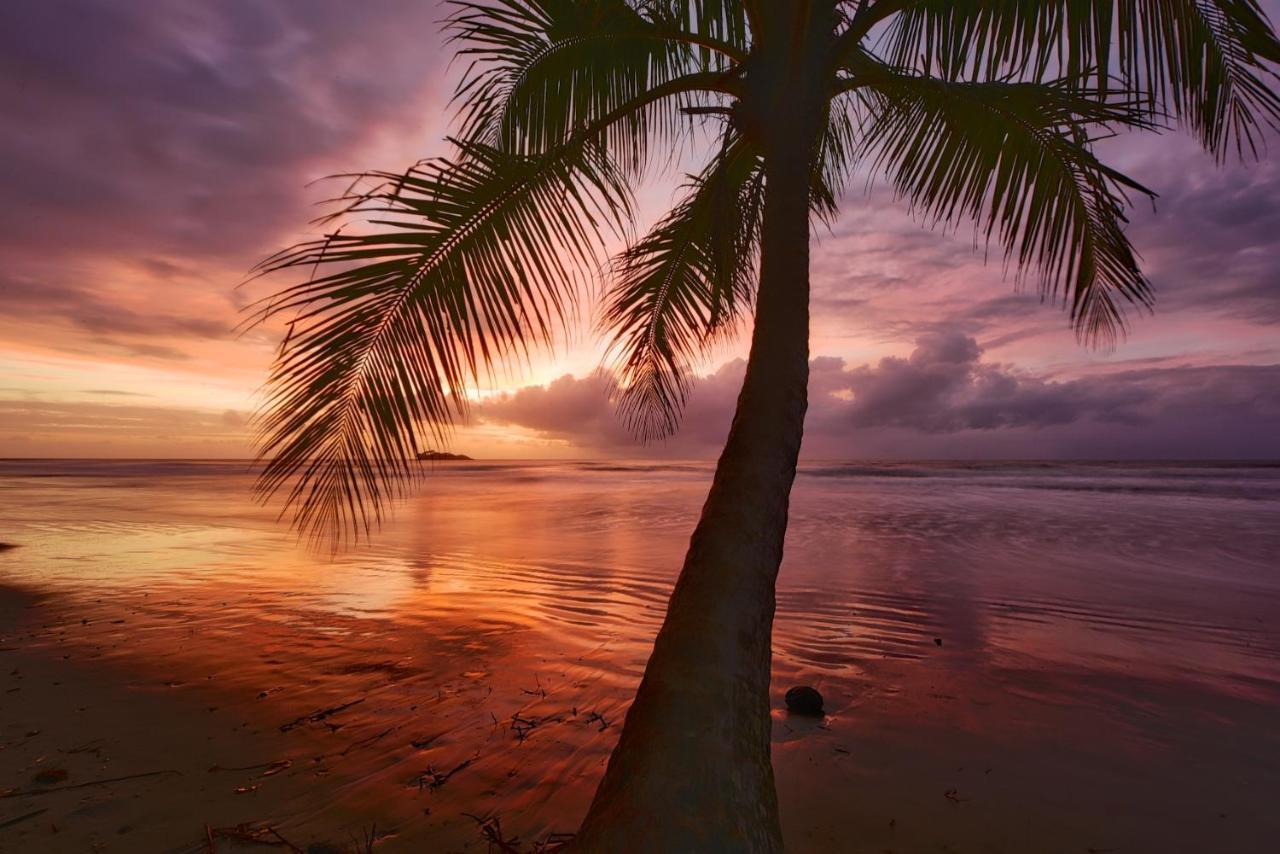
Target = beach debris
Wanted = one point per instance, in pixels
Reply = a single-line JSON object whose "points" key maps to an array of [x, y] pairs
{"points": [[319, 715], [491, 830], [20, 793], [10, 822], [367, 741], [596, 716], [49, 776], [4, 547], [245, 832], [433, 779], [276, 767], [554, 842], [271, 768], [954, 796], [522, 726], [804, 700], [94, 747], [426, 741], [324, 848], [498, 843], [937, 641], [364, 842]]}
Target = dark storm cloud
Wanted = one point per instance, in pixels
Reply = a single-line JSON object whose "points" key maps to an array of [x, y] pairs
{"points": [[944, 399]]}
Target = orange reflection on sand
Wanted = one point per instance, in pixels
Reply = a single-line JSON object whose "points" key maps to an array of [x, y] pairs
{"points": [[479, 658]]}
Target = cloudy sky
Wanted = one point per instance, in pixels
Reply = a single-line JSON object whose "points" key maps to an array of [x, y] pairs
{"points": [[152, 152]]}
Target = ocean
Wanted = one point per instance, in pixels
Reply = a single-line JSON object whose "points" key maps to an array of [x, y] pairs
{"points": [[1015, 656]]}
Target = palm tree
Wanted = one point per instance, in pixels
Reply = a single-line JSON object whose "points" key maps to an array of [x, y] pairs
{"points": [[981, 110]]}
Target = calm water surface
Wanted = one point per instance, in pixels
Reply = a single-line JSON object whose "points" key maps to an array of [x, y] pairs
{"points": [[1016, 657]]}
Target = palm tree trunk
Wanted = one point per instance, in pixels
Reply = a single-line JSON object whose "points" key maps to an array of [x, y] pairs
{"points": [[691, 771]]}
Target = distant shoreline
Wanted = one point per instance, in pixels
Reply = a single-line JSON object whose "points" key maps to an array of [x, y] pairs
{"points": [[443, 456]]}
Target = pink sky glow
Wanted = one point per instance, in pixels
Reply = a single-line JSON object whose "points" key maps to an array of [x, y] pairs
{"points": [[152, 153]]}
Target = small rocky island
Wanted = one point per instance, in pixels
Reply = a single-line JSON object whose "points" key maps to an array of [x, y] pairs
{"points": [[436, 456]]}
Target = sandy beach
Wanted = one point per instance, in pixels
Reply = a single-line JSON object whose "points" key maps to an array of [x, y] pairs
{"points": [[179, 681], [68, 727], [639, 427]]}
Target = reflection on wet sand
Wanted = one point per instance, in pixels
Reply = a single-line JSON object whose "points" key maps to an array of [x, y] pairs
{"points": [[1014, 659]]}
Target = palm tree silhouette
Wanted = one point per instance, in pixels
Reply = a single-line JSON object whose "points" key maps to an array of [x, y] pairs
{"points": [[985, 111]]}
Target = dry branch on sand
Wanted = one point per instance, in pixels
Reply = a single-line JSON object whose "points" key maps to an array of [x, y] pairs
{"points": [[319, 715], [25, 793]]}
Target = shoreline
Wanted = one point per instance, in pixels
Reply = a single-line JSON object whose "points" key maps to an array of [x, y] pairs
{"points": [[66, 727], [1110, 691], [97, 758], [110, 758]]}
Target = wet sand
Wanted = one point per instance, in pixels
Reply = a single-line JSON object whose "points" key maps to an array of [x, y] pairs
{"points": [[471, 667], [67, 726], [311, 750]]}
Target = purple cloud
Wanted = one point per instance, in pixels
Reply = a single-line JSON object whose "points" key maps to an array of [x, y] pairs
{"points": [[153, 152], [192, 127], [944, 400]]}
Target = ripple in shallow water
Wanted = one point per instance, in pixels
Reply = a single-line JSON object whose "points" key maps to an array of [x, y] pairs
{"points": [[1105, 630]]}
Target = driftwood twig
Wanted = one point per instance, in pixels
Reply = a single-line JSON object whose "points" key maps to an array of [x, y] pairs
{"points": [[318, 715], [12, 821], [24, 793]]}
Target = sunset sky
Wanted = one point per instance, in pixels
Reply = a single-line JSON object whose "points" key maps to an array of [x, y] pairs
{"points": [[151, 153]]}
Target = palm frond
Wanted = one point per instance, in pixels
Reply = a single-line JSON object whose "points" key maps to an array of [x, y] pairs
{"points": [[722, 21], [473, 259], [1206, 62], [1016, 159], [838, 154], [541, 70], [686, 282]]}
